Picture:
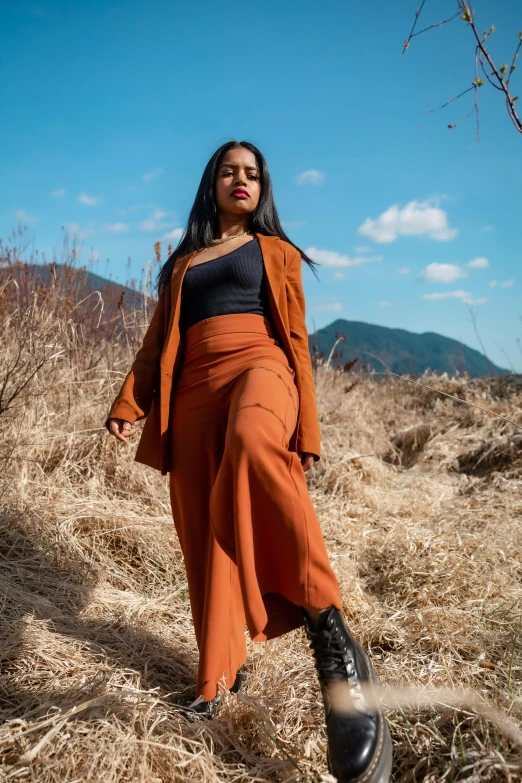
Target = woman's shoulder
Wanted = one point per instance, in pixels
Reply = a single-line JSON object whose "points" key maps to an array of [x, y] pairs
{"points": [[283, 246]]}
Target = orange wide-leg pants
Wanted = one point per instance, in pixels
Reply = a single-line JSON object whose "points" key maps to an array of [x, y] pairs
{"points": [[253, 548]]}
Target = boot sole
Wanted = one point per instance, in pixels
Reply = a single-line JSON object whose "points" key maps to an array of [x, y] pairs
{"points": [[379, 770]]}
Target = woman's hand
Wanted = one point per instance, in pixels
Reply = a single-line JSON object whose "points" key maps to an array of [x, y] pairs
{"points": [[307, 460], [121, 429]]}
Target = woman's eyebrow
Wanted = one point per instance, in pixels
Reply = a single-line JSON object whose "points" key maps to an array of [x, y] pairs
{"points": [[235, 165]]}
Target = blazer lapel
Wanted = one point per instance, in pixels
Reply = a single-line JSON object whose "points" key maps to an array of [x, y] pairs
{"points": [[273, 261], [176, 280]]}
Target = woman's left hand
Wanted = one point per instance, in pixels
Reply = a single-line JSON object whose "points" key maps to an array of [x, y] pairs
{"points": [[307, 460]]}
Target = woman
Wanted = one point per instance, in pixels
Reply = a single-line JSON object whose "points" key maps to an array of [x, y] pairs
{"points": [[224, 380]]}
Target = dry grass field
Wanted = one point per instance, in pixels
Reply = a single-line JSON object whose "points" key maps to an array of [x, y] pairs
{"points": [[419, 497]]}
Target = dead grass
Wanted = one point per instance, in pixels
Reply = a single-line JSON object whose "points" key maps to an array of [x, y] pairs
{"points": [[420, 502]]}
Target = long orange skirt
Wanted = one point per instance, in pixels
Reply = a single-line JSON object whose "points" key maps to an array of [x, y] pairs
{"points": [[253, 548]]}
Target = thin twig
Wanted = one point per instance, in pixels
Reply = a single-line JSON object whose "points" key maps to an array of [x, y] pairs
{"points": [[421, 698], [425, 29], [513, 62], [486, 74], [438, 391], [476, 84], [430, 111], [458, 399], [473, 317], [482, 54], [503, 85], [417, 14]]}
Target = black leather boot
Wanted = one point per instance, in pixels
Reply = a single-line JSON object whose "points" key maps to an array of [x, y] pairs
{"points": [[359, 741], [207, 709], [239, 681]]}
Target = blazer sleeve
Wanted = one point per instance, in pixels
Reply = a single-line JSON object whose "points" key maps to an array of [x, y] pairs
{"points": [[309, 434], [134, 400]]}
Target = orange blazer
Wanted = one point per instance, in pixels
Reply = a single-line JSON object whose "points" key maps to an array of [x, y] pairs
{"points": [[148, 388]]}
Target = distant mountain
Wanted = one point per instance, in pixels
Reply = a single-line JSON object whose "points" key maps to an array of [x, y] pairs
{"points": [[402, 351], [77, 282]]}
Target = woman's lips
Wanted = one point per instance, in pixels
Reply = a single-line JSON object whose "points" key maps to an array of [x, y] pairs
{"points": [[239, 194]]}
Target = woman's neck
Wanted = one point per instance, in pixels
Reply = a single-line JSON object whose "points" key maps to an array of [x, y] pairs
{"points": [[227, 228]]}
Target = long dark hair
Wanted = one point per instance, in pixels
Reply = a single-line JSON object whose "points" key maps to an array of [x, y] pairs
{"points": [[203, 219]]}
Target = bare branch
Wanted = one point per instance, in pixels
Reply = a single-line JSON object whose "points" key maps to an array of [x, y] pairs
{"points": [[417, 14], [513, 61], [456, 97], [504, 86], [501, 76], [488, 76], [425, 29]]}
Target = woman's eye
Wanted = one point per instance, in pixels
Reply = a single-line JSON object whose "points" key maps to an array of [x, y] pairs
{"points": [[229, 173]]}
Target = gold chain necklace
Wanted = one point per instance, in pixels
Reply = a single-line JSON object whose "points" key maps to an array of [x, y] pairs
{"points": [[232, 236]]}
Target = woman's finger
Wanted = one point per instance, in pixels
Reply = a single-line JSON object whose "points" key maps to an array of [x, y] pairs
{"points": [[307, 460], [115, 429], [121, 429]]}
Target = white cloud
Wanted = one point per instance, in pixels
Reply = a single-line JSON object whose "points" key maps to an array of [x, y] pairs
{"points": [[507, 284], [384, 303], [334, 307], [363, 249], [442, 273], [448, 295], [134, 208], [493, 283], [417, 218], [24, 217], [478, 263], [150, 175], [174, 235], [117, 228], [94, 255], [293, 225], [60, 192], [404, 270], [155, 222], [334, 259], [89, 201], [486, 228], [464, 296], [310, 177], [76, 231], [339, 275]]}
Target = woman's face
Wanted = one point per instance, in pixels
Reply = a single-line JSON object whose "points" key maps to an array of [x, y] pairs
{"points": [[237, 172]]}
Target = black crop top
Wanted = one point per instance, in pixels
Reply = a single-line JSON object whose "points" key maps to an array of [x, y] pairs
{"points": [[233, 283]]}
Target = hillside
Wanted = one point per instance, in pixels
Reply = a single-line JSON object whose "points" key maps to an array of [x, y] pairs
{"points": [[75, 281], [402, 351]]}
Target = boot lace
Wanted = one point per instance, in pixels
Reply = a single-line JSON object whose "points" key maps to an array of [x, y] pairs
{"points": [[334, 661]]}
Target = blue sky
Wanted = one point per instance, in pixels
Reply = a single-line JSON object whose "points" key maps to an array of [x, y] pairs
{"points": [[111, 110]]}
